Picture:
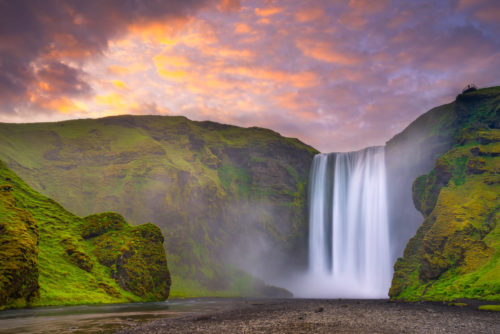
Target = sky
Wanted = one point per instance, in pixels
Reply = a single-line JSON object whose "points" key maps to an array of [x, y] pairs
{"points": [[338, 75]]}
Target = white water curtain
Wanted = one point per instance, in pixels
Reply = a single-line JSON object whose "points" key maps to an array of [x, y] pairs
{"points": [[348, 224]]}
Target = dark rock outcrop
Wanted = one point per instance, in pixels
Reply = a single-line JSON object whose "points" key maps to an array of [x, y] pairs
{"points": [[135, 255]]}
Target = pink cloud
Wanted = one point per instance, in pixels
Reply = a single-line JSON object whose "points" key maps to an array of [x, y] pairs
{"points": [[326, 51], [308, 14], [268, 11], [338, 75]]}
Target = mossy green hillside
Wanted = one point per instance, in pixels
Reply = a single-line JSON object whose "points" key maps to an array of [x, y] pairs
{"points": [[217, 191], [46, 260], [135, 255], [415, 150], [456, 252], [18, 252]]}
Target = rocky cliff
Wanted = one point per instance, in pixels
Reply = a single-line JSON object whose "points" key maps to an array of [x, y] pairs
{"points": [[221, 194], [48, 256], [415, 150], [454, 253]]}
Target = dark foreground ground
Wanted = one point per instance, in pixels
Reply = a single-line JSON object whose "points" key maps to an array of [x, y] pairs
{"points": [[330, 316]]}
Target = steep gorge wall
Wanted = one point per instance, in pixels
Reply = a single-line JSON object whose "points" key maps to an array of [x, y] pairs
{"points": [[220, 193], [415, 150], [454, 252], [409, 155]]}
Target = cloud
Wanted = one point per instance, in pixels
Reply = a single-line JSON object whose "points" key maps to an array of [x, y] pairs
{"points": [[339, 75], [120, 85], [309, 14], [57, 79], [369, 6], [268, 11], [116, 103], [62, 105], [326, 51], [49, 33], [171, 67], [126, 70], [229, 6], [299, 79], [242, 28]]}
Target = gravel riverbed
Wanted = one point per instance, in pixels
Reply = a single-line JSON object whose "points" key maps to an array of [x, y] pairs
{"points": [[329, 316]]}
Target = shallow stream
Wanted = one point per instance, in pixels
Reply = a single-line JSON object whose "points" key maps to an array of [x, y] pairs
{"points": [[103, 318]]}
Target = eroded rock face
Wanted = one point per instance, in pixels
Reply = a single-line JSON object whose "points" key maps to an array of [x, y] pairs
{"points": [[452, 254], [415, 150], [135, 255], [18, 253]]}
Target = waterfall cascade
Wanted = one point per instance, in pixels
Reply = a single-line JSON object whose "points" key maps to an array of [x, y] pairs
{"points": [[349, 251]]}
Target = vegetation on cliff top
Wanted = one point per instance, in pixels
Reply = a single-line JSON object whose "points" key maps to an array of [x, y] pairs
{"points": [[217, 191], [456, 251], [48, 256]]}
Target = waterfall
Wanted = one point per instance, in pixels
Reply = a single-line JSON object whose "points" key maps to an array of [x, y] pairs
{"points": [[349, 251]]}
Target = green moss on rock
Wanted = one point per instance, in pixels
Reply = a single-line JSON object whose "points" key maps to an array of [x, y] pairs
{"points": [[476, 165], [456, 251], [136, 258], [76, 256], [44, 259], [101, 223], [18, 253]]}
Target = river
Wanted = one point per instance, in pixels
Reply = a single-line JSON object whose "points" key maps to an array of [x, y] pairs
{"points": [[103, 318]]}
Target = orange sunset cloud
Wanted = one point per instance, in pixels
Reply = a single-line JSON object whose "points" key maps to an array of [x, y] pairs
{"points": [[314, 70]]}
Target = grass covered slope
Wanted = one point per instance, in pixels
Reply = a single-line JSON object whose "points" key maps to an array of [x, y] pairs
{"points": [[221, 194], [18, 252], [415, 150], [456, 251], [49, 257]]}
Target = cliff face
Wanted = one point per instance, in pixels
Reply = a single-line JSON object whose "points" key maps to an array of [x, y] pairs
{"points": [[454, 253], [415, 150], [48, 256], [221, 194]]}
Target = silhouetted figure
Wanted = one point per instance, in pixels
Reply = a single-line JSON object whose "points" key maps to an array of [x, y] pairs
{"points": [[469, 88]]}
